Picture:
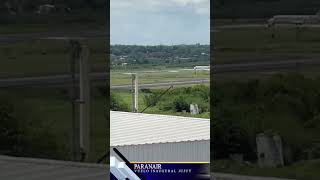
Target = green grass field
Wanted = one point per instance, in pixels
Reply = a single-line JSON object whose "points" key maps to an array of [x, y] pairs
{"points": [[303, 170], [50, 111], [45, 57], [45, 113], [254, 44], [154, 76]]}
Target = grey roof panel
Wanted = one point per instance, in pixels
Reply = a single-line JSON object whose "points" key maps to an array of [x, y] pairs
{"points": [[139, 128]]}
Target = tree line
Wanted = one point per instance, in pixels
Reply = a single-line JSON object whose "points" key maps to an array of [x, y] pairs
{"points": [[160, 54]]}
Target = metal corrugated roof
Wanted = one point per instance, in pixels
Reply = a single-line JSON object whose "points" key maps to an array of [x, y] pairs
{"points": [[16, 168], [137, 128]]}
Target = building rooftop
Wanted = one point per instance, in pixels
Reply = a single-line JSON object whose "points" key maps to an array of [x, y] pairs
{"points": [[137, 128], [17, 168]]}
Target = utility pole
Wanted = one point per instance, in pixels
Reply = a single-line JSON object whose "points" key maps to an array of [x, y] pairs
{"points": [[84, 103], [80, 95], [135, 91], [75, 56]]}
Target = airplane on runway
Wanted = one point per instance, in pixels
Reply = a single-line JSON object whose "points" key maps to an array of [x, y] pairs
{"points": [[202, 68], [294, 19]]}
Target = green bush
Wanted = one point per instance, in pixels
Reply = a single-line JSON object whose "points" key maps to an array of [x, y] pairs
{"points": [[22, 133], [117, 104], [179, 99], [287, 104], [11, 131]]}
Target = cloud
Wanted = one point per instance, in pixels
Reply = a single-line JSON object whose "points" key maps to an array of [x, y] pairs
{"points": [[160, 21], [195, 6], [194, 2]]}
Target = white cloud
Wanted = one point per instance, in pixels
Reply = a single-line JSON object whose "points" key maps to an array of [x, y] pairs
{"points": [[196, 6], [160, 21], [187, 2]]}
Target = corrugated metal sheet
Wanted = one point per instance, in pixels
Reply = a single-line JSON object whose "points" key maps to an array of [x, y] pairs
{"points": [[137, 128], [189, 151], [14, 168]]}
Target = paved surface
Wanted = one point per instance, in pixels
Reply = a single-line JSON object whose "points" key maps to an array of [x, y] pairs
{"points": [[95, 77], [217, 69], [260, 25], [14, 168], [18, 168], [54, 35], [164, 84], [222, 176], [47, 80], [264, 66]]}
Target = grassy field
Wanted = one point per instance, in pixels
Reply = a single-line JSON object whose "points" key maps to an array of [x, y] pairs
{"points": [[46, 112], [245, 44], [303, 170], [157, 75], [254, 44], [49, 111], [43, 57]]}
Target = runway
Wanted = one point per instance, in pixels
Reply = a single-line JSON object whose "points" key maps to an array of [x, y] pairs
{"points": [[264, 66], [102, 77]]}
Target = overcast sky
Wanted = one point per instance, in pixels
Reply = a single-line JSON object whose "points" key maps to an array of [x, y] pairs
{"points": [[154, 22]]}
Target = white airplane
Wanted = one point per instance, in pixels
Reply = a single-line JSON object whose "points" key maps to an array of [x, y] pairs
{"points": [[294, 19], [202, 68]]}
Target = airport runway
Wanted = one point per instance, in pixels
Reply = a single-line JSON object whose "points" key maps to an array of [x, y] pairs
{"points": [[52, 80], [55, 80], [265, 66], [61, 35], [95, 77], [164, 84], [259, 25]]}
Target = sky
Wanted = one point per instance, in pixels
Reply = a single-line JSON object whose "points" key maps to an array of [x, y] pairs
{"points": [[160, 22]]}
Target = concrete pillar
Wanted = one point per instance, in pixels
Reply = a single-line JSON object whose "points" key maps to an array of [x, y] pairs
{"points": [[135, 93], [84, 104]]}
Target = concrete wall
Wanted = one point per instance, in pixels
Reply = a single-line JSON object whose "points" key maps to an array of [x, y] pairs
{"points": [[269, 149]]}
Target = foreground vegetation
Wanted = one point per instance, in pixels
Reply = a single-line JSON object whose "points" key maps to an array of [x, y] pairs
{"points": [[302, 170], [38, 123], [175, 102], [285, 104]]}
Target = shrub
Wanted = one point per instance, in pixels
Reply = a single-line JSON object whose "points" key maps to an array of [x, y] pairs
{"points": [[117, 104]]}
